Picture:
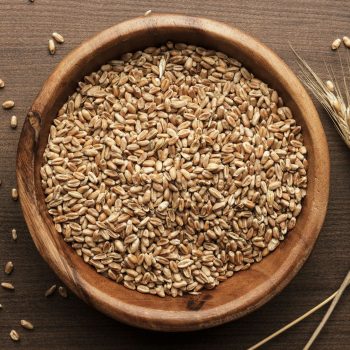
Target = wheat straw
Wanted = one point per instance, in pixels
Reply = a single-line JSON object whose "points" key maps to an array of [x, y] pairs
{"points": [[335, 296], [293, 323], [329, 311]]}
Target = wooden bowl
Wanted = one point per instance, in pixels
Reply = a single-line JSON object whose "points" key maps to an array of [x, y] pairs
{"points": [[245, 291]]}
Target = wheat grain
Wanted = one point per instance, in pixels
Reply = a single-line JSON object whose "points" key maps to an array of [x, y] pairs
{"points": [[172, 168], [13, 122], [52, 47], [8, 104], [161, 68], [335, 44], [62, 291], [58, 37], [330, 86], [8, 267], [7, 285], [50, 290], [26, 324], [346, 41], [14, 194], [14, 335], [14, 234]]}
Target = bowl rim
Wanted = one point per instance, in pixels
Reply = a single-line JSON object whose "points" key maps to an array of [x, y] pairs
{"points": [[139, 316]]}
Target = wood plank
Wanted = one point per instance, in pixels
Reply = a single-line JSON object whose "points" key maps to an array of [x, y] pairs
{"points": [[69, 324]]}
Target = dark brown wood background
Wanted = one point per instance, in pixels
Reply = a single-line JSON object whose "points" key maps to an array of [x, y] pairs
{"points": [[70, 324]]}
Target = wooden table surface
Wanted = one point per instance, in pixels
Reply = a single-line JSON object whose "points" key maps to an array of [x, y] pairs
{"points": [[61, 324]]}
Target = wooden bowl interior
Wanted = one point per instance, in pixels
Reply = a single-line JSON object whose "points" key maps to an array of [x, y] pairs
{"points": [[246, 290]]}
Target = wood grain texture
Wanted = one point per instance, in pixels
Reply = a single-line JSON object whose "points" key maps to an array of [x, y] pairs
{"points": [[25, 64]]}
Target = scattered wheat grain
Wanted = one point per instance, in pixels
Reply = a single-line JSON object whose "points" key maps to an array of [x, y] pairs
{"points": [[50, 290], [335, 44], [26, 324], [7, 285], [346, 41], [63, 292], [14, 194], [58, 37], [14, 234], [52, 47], [13, 122], [8, 267], [8, 104], [14, 335]]}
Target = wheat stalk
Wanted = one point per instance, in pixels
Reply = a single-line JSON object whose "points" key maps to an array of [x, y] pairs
{"points": [[293, 323], [329, 312], [335, 101], [334, 297]]}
